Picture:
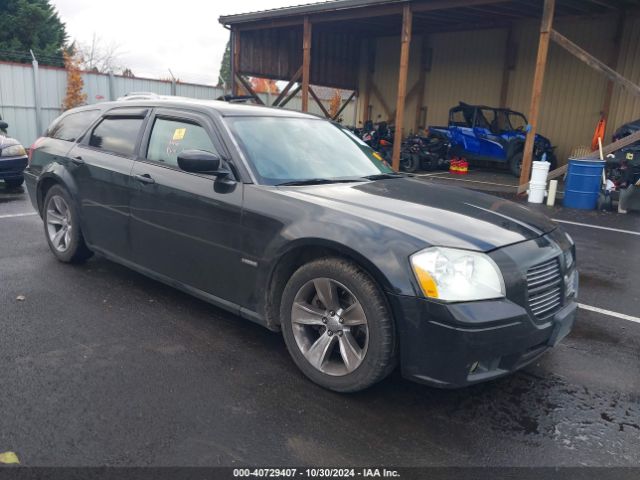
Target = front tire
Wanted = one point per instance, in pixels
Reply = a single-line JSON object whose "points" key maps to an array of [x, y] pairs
{"points": [[337, 325], [62, 227]]}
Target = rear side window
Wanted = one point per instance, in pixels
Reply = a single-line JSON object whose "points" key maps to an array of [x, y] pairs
{"points": [[73, 125], [170, 137], [117, 135]]}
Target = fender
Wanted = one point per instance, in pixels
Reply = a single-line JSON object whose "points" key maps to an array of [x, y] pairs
{"points": [[515, 146], [58, 173]]}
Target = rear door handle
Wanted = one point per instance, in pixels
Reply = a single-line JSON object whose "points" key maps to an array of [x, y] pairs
{"points": [[145, 178], [77, 160]]}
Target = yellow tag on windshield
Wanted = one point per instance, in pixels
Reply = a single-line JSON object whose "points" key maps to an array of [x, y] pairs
{"points": [[377, 156], [179, 133]]}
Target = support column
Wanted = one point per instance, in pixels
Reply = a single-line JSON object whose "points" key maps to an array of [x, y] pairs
{"points": [[536, 93], [306, 63], [425, 66], [405, 43], [370, 69]]}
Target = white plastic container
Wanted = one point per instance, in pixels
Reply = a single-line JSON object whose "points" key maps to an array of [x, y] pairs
{"points": [[538, 183]]}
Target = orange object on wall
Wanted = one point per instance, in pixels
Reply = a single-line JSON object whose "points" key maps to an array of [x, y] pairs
{"points": [[599, 133]]}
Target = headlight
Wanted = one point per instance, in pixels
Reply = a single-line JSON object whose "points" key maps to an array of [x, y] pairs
{"points": [[569, 238], [13, 151], [457, 275]]}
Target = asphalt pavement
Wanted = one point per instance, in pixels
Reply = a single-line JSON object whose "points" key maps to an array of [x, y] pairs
{"points": [[102, 366]]}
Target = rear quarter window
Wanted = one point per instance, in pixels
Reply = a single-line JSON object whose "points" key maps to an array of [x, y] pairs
{"points": [[71, 127], [117, 135]]}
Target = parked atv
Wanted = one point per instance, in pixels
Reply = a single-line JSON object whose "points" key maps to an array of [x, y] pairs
{"points": [[480, 133]]}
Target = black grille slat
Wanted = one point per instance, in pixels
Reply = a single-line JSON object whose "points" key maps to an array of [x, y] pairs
{"points": [[544, 287]]}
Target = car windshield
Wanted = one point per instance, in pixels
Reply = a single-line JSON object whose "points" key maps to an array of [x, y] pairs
{"points": [[284, 150]]}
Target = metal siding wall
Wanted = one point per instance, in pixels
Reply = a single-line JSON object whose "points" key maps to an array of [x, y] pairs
{"points": [[467, 66], [17, 102], [573, 92], [626, 107]]}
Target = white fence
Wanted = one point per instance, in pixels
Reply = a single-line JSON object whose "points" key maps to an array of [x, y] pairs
{"points": [[29, 110]]}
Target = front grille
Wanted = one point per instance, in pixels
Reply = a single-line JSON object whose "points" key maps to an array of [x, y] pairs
{"points": [[544, 286]]}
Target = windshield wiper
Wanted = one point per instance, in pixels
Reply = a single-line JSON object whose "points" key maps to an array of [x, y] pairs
{"points": [[317, 181], [383, 176]]}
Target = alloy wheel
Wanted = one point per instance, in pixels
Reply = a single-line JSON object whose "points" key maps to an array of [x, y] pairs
{"points": [[59, 227], [330, 326]]}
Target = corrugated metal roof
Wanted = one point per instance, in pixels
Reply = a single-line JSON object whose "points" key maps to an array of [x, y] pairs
{"points": [[303, 9]]}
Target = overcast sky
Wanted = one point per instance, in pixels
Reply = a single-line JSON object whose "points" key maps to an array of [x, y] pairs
{"points": [[183, 35]]}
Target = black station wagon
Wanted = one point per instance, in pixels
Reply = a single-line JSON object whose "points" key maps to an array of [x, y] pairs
{"points": [[292, 222]]}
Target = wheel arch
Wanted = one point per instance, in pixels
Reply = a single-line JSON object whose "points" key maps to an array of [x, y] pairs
{"points": [[304, 251], [54, 175]]}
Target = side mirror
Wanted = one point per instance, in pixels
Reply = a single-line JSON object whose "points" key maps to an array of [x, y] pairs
{"points": [[3, 125], [199, 161]]}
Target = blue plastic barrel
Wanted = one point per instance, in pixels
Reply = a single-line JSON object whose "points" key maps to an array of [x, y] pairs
{"points": [[584, 179]]}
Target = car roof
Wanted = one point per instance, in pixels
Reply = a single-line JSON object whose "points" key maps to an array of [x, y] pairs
{"points": [[224, 109]]}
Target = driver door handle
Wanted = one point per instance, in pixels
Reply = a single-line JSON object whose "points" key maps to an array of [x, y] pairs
{"points": [[145, 178], [77, 160]]}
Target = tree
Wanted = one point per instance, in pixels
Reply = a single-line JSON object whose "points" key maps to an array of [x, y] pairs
{"points": [[127, 72], [224, 77], [335, 103], [264, 85], [99, 56], [31, 25], [74, 97]]}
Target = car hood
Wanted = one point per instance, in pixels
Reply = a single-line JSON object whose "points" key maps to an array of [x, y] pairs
{"points": [[437, 214]]}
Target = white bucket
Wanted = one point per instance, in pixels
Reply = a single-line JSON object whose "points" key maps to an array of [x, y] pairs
{"points": [[537, 192], [538, 183], [539, 172]]}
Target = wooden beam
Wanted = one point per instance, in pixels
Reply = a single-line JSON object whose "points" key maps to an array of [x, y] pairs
{"points": [[508, 65], [317, 100], [286, 89], [613, 63], [536, 93], [291, 96], [306, 63], [594, 63], [235, 61], [405, 43], [249, 89], [383, 103], [344, 105]]}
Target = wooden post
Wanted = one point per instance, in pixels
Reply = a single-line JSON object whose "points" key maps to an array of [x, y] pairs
{"points": [[235, 61], [536, 93], [306, 63], [405, 43]]}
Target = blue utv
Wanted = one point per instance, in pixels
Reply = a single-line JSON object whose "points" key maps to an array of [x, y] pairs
{"points": [[480, 133]]}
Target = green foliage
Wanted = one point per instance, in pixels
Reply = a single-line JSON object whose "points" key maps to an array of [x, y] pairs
{"points": [[31, 25], [224, 78]]}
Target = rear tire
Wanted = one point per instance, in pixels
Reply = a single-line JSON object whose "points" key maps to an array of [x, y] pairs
{"points": [[409, 162], [515, 164], [349, 350], [62, 227]]}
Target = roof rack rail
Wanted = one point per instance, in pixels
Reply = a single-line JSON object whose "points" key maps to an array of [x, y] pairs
{"points": [[139, 96]]}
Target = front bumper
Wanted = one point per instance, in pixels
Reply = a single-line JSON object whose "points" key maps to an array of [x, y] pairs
{"points": [[456, 345], [12, 167]]}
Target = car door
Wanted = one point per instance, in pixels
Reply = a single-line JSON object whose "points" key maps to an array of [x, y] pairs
{"points": [[102, 172], [185, 226], [461, 125]]}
